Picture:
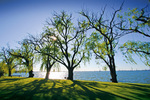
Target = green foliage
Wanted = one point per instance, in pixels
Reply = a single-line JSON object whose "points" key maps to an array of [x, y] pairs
{"points": [[105, 68], [136, 20], [8, 62], [119, 16], [40, 89], [98, 46], [25, 55], [70, 40], [104, 40], [3, 69], [1, 73], [141, 49], [46, 46]]}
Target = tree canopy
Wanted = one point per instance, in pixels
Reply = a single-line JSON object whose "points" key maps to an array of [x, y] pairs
{"points": [[45, 45], [26, 54], [69, 39], [136, 21], [105, 38], [8, 61], [141, 49]]}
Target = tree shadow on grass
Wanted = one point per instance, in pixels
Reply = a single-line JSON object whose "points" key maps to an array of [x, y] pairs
{"points": [[55, 90], [37, 89], [139, 90], [19, 91], [130, 90], [133, 86], [3, 80], [77, 90], [42, 89], [94, 93]]}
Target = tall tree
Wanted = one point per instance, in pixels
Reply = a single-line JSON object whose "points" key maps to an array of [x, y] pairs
{"points": [[26, 53], [8, 59], [44, 46], [69, 40], [105, 38]]}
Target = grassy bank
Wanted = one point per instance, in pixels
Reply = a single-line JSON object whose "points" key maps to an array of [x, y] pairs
{"points": [[41, 89]]}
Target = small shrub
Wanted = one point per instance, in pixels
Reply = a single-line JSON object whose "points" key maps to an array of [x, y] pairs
{"points": [[1, 73]]}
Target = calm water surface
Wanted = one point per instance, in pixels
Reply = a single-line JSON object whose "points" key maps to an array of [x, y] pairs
{"points": [[104, 76]]}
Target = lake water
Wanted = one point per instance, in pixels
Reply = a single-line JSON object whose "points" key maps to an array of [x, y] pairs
{"points": [[104, 76]]}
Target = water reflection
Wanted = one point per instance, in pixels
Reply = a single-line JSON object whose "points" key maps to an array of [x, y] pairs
{"points": [[58, 75], [123, 76], [53, 75], [37, 74]]}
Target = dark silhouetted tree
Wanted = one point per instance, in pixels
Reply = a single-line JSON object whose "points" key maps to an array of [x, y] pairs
{"points": [[69, 40], [104, 40]]}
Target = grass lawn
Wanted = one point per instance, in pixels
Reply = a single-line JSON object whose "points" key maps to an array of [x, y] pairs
{"points": [[14, 88]]}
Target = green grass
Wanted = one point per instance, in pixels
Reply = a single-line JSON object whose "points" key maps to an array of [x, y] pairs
{"points": [[14, 88]]}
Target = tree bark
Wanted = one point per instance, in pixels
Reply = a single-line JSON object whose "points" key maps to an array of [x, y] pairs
{"points": [[31, 73], [47, 73], [113, 74], [9, 72], [70, 74], [30, 68], [112, 65]]}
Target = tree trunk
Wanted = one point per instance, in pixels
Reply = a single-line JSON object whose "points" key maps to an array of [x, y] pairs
{"points": [[70, 73], [48, 68], [113, 75], [47, 73], [30, 68], [9, 72], [31, 73]]}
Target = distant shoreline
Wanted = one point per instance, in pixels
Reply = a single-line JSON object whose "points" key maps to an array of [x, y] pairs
{"points": [[87, 71]]}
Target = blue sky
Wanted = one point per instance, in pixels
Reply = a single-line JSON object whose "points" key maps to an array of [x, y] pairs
{"points": [[20, 17]]}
